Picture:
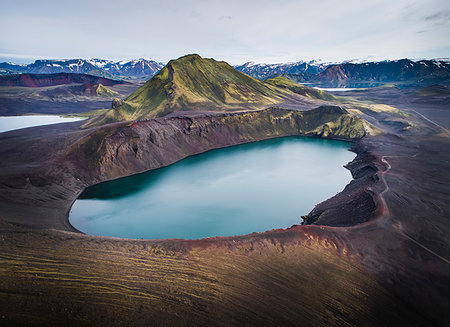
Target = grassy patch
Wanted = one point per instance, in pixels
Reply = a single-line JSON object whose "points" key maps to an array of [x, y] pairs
{"points": [[307, 91], [104, 91]]}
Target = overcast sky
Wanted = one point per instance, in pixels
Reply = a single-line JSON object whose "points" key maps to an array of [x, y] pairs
{"points": [[236, 31]]}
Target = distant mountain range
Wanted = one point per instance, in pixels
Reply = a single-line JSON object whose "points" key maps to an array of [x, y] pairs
{"points": [[344, 74], [264, 71], [404, 71], [133, 69]]}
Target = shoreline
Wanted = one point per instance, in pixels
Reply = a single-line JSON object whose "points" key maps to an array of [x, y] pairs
{"points": [[350, 142]]}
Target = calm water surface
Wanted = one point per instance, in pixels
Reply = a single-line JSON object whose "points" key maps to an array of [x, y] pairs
{"points": [[9, 123], [232, 191]]}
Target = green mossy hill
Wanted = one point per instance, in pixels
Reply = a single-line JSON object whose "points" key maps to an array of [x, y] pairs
{"points": [[306, 91], [194, 83], [103, 91]]}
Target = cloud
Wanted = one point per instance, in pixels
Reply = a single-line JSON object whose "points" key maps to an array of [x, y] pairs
{"points": [[234, 30], [22, 56], [442, 15]]}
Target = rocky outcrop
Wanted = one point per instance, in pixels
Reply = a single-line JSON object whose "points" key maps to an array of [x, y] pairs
{"points": [[116, 103], [357, 203]]}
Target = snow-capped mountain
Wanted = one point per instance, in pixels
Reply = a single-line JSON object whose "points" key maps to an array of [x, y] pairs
{"points": [[140, 68], [403, 70], [317, 72], [134, 68], [263, 71], [355, 71], [60, 66]]}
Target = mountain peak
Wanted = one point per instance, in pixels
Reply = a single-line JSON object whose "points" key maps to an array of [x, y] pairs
{"points": [[140, 68], [193, 83], [191, 56], [187, 59]]}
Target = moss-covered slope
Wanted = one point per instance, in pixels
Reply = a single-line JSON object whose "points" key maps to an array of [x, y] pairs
{"points": [[306, 91], [195, 83], [104, 91]]}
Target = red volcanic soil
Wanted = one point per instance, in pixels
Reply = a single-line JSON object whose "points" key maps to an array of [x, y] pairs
{"points": [[376, 254], [41, 80]]}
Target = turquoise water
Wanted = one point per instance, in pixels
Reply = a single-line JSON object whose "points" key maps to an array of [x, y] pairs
{"points": [[238, 190], [9, 123]]}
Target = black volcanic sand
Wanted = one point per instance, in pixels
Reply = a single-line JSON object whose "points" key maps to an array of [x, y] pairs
{"points": [[380, 256]]}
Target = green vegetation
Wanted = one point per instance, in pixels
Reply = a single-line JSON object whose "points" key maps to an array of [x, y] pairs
{"points": [[306, 91], [103, 91], [194, 83], [358, 107]]}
